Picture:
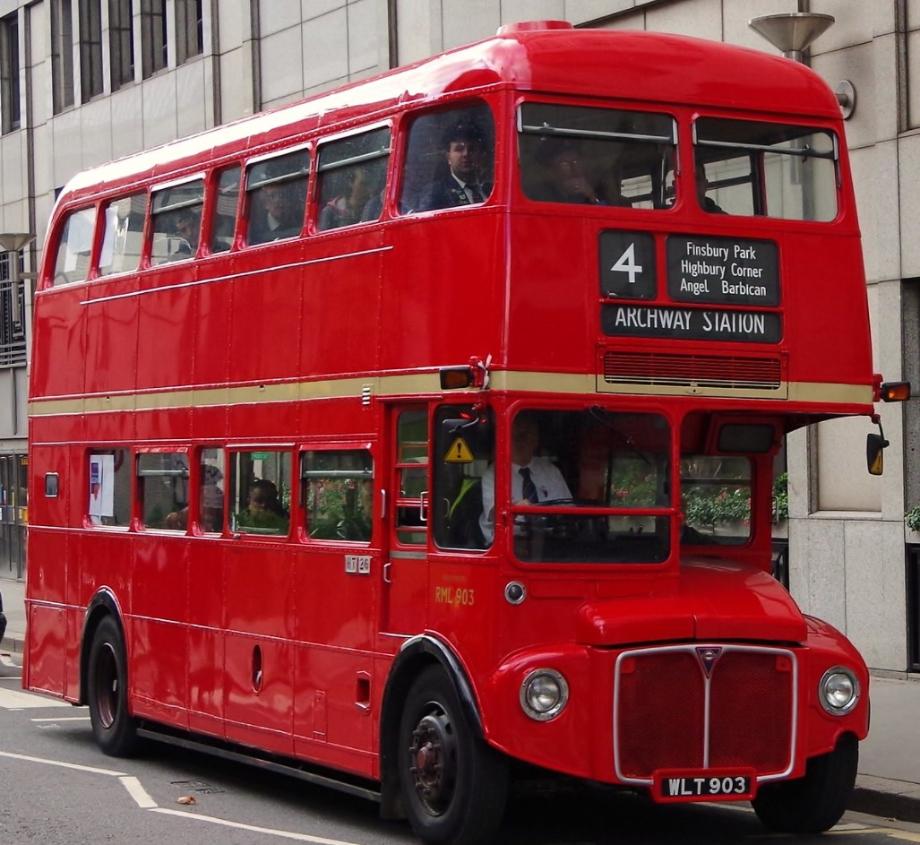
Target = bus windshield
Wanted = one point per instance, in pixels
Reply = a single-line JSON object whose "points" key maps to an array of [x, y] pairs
{"points": [[575, 154], [606, 477]]}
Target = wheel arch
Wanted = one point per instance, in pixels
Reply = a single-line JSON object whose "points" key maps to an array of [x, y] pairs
{"points": [[103, 604], [415, 655]]}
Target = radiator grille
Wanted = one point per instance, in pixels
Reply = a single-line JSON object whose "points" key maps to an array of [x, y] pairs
{"points": [[684, 370], [661, 715]]}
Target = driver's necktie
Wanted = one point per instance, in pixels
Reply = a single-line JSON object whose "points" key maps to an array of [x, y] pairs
{"points": [[528, 488]]}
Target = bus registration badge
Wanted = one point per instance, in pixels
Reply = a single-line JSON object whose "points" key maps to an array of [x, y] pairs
{"points": [[711, 785]]}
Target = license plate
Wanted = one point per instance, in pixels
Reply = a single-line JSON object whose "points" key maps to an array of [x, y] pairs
{"points": [[726, 786]]}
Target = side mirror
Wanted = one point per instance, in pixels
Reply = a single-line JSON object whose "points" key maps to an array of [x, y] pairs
{"points": [[875, 455]]}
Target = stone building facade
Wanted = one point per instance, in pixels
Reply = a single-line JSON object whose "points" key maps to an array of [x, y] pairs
{"points": [[85, 81]]}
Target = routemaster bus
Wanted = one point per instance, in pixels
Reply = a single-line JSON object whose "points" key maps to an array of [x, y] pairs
{"points": [[378, 438]]}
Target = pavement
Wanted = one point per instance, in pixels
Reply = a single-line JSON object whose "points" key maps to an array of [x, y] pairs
{"points": [[888, 783]]}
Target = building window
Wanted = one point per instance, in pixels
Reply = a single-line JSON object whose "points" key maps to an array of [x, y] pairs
{"points": [[9, 72], [189, 30], [153, 35], [121, 42], [61, 54], [12, 314], [90, 49]]}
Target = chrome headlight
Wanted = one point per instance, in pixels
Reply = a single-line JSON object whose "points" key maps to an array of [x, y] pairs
{"points": [[544, 694], [838, 691]]}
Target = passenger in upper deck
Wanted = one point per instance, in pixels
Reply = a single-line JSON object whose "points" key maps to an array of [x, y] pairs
{"points": [[461, 181], [280, 215], [566, 180], [188, 224]]}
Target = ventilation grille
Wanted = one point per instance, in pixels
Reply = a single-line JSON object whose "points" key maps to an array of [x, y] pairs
{"points": [[748, 686], [697, 370]]}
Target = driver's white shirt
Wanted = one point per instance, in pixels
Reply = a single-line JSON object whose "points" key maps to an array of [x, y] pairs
{"points": [[546, 478]]}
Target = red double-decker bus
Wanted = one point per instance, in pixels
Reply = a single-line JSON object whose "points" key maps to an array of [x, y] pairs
{"points": [[429, 424]]}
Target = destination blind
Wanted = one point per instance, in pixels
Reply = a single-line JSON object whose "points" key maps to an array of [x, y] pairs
{"points": [[691, 324], [730, 271]]}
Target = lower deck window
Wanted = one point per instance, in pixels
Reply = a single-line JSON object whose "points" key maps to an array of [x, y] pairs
{"points": [[337, 491], [162, 485], [261, 491], [716, 499], [109, 488]]}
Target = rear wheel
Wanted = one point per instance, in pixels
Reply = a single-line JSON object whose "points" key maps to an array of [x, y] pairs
{"points": [[114, 728], [816, 802], [454, 786]]}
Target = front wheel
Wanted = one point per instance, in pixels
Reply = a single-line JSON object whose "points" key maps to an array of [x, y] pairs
{"points": [[816, 802], [454, 786], [114, 728]]}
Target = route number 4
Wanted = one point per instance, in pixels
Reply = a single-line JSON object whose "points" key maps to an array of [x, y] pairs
{"points": [[626, 263]]}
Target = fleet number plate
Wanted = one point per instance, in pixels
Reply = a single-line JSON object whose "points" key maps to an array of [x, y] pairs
{"points": [[702, 787]]}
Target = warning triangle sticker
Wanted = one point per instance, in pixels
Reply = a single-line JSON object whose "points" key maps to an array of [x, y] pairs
{"points": [[458, 453]]}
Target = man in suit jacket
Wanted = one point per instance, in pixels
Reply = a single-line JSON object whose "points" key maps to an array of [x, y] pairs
{"points": [[460, 182]]}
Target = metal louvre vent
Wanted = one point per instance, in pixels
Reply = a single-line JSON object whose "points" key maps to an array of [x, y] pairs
{"points": [[686, 370], [692, 706]]}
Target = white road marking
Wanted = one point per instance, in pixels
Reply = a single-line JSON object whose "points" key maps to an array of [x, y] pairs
{"points": [[16, 700], [137, 792], [284, 834], [6, 660], [91, 769], [11, 678], [61, 719], [145, 802]]}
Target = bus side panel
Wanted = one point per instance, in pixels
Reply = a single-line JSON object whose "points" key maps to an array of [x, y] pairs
{"points": [[111, 348], [47, 648], [331, 725], [258, 689], [162, 424], [340, 319], [812, 334], [334, 668], [444, 284], [205, 637], [549, 331], [48, 557], [209, 355], [265, 325], [159, 666], [60, 316], [165, 330]]}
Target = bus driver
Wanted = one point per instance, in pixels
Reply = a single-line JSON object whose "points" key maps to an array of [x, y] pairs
{"points": [[534, 479]]}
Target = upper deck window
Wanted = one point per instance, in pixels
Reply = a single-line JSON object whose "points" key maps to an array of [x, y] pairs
{"points": [[74, 247], [449, 159], [124, 234], [594, 156], [767, 169], [277, 196], [176, 222], [352, 177], [226, 196]]}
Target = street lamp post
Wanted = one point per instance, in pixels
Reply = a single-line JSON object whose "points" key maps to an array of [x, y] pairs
{"points": [[792, 33]]}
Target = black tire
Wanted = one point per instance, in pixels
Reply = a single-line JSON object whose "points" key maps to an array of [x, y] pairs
{"points": [[816, 802], [454, 787], [114, 728]]}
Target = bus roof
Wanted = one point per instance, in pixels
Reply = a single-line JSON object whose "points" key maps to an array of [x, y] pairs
{"points": [[644, 67]]}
